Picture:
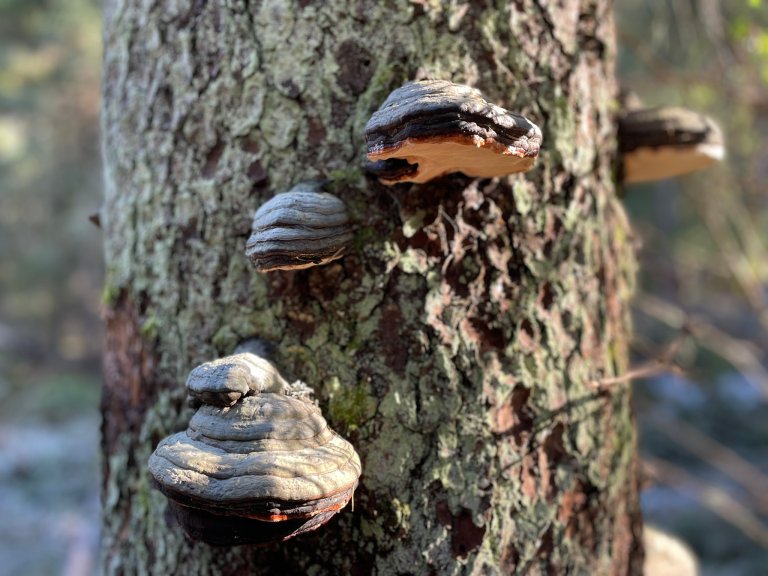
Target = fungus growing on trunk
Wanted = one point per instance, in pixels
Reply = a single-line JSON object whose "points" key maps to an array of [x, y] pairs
{"points": [[263, 470], [298, 229], [433, 127], [224, 381], [658, 143]]}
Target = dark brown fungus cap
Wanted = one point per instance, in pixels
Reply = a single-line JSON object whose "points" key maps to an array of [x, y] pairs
{"points": [[660, 143], [224, 381], [261, 471], [433, 127], [299, 229]]}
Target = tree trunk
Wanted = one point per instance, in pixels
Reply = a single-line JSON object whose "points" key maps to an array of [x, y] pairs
{"points": [[454, 345]]}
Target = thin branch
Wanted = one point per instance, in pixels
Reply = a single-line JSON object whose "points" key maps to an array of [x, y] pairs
{"points": [[648, 370], [662, 365]]}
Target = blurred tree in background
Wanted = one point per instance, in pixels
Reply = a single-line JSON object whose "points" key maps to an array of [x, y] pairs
{"points": [[702, 239], [50, 257], [704, 235], [703, 281], [50, 283]]}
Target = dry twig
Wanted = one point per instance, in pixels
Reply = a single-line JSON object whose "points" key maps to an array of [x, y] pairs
{"points": [[664, 364]]}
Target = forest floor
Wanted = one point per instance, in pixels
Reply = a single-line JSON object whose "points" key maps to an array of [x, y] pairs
{"points": [[49, 473]]}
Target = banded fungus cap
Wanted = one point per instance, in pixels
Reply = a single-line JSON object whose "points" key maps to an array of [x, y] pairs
{"points": [[224, 381], [659, 143], [298, 229], [428, 128], [263, 470]]}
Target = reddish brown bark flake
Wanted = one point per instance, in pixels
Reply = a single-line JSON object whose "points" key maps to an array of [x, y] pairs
{"points": [[128, 366], [466, 536]]}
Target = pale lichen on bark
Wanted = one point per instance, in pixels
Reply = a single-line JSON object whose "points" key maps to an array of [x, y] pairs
{"points": [[453, 345]]}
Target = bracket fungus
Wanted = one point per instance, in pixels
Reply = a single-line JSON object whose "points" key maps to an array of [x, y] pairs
{"points": [[260, 471], [658, 143], [224, 381], [429, 128], [301, 228]]}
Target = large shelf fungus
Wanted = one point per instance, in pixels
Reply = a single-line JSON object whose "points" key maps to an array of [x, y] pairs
{"points": [[298, 229], [433, 127], [262, 470], [659, 143]]}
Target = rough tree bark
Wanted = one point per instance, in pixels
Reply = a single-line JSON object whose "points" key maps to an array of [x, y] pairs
{"points": [[454, 345]]}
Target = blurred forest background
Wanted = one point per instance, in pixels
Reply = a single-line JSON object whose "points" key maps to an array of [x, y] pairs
{"points": [[701, 311]]}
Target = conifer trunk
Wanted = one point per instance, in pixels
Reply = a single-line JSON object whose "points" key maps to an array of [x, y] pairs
{"points": [[455, 343]]}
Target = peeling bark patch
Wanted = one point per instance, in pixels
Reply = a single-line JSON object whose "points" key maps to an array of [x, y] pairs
{"points": [[553, 445], [465, 535], [545, 551], [163, 109], [552, 454], [391, 343], [256, 173], [288, 88], [443, 513], [324, 282], [573, 504], [190, 229], [316, 133], [212, 160], [250, 146], [513, 417], [546, 296], [485, 337], [128, 368], [356, 66], [303, 324], [527, 336], [363, 565], [510, 558]]}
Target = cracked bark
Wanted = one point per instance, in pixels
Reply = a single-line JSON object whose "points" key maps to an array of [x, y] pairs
{"points": [[455, 342]]}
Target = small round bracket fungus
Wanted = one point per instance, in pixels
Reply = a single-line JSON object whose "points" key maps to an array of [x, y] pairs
{"points": [[301, 228], [224, 381], [264, 470], [659, 143], [435, 127]]}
